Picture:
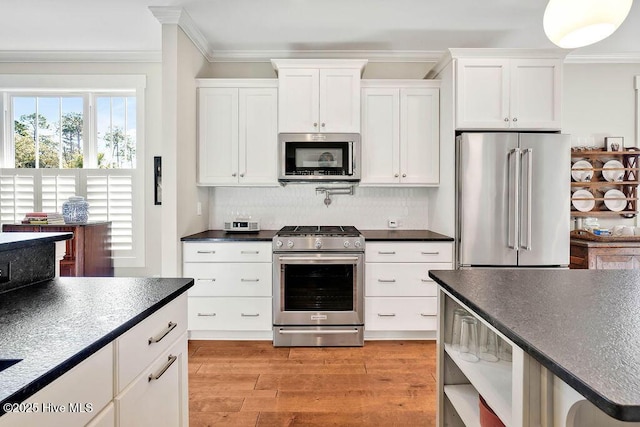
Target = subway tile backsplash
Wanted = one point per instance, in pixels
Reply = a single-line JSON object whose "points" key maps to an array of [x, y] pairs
{"points": [[298, 204]]}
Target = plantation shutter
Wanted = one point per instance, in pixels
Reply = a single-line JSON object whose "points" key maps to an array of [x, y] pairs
{"points": [[17, 196], [56, 189]]}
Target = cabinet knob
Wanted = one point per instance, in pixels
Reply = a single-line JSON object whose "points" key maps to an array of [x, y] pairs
{"points": [[315, 125], [404, 175], [234, 174], [241, 175], [515, 119], [323, 125], [396, 175], [506, 119]]}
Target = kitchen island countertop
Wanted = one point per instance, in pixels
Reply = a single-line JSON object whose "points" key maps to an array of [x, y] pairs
{"points": [[13, 241], [54, 325], [582, 325]]}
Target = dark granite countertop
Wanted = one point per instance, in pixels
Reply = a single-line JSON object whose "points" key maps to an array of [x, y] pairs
{"points": [[267, 235], [55, 325], [223, 236], [12, 241], [583, 325], [408, 235]]}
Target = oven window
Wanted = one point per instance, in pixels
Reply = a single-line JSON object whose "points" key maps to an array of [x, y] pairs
{"points": [[318, 287], [308, 158]]}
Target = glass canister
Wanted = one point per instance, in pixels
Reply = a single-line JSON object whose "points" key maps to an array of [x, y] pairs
{"points": [[75, 210]]}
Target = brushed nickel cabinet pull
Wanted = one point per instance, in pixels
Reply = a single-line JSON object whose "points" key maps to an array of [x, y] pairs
{"points": [[206, 252], [430, 253], [207, 280], [206, 314], [387, 280], [162, 370], [386, 315], [425, 315], [170, 327], [249, 280], [250, 252], [387, 252], [250, 315], [426, 280]]}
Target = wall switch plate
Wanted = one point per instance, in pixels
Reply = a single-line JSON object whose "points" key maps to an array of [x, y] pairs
{"points": [[392, 223], [5, 272]]}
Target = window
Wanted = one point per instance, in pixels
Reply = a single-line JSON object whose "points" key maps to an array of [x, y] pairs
{"points": [[63, 139]]}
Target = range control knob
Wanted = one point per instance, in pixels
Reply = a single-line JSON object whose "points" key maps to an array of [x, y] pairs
{"points": [[289, 244], [279, 243], [318, 244], [347, 243], [357, 244]]}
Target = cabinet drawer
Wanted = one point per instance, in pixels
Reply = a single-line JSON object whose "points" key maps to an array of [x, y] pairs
{"points": [[230, 279], [138, 347], [400, 314], [230, 314], [227, 252], [409, 252], [155, 397], [402, 279]]}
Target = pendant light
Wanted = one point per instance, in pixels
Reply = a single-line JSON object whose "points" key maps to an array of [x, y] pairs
{"points": [[576, 23]]}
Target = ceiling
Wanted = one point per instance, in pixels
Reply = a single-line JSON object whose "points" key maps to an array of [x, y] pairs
{"points": [[262, 29]]}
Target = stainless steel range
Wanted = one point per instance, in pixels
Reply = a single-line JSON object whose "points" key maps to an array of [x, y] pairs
{"points": [[318, 286]]}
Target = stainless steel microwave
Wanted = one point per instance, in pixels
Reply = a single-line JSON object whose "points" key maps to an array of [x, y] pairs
{"points": [[313, 157]]}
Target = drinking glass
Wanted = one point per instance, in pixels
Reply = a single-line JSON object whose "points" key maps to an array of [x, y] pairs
{"points": [[458, 313], [488, 345], [468, 339], [504, 350]]}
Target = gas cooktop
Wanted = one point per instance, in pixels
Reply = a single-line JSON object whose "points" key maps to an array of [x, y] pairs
{"points": [[319, 230]]}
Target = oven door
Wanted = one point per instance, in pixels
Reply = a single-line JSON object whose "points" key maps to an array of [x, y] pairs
{"points": [[318, 289]]}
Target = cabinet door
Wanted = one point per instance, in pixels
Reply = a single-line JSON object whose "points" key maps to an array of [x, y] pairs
{"points": [[380, 136], [158, 396], [258, 136], [340, 100], [535, 100], [419, 136], [613, 261], [482, 100], [298, 102], [218, 136]]}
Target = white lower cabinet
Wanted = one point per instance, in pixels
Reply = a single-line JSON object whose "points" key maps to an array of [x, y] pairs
{"points": [[400, 297], [140, 379], [232, 295]]}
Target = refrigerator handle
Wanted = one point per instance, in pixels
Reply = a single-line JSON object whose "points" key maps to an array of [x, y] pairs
{"points": [[529, 155], [512, 178]]}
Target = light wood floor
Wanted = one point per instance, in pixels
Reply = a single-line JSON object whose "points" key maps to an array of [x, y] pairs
{"points": [[251, 383]]}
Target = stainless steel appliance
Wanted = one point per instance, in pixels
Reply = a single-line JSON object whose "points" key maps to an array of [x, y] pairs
{"points": [[513, 199], [313, 157], [318, 286]]}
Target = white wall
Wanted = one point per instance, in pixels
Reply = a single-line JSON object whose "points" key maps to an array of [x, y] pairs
{"points": [[182, 63], [598, 101], [152, 143]]}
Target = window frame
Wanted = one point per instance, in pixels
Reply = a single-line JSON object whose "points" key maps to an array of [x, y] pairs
{"points": [[90, 86]]}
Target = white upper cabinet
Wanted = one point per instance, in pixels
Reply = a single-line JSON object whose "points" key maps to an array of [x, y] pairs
{"points": [[237, 132], [319, 96], [400, 133], [508, 93]]}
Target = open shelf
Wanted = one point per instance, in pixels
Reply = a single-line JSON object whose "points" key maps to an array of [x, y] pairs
{"points": [[492, 380], [465, 399]]}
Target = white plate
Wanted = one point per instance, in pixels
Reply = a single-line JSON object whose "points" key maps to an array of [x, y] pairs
{"points": [[615, 200], [583, 205], [581, 175], [613, 175]]}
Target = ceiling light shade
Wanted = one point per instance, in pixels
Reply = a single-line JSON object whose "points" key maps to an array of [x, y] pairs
{"points": [[576, 23]]}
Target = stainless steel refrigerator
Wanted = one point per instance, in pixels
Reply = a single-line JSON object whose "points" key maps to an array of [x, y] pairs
{"points": [[513, 199]]}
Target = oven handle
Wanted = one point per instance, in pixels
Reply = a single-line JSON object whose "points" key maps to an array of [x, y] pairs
{"points": [[288, 332], [319, 259]]}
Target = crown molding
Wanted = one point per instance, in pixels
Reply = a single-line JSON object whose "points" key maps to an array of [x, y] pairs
{"points": [[79, 56], [371, 55], [178, 16], [614, 58]]}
